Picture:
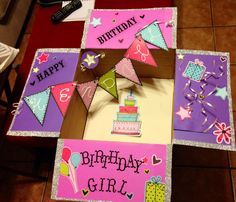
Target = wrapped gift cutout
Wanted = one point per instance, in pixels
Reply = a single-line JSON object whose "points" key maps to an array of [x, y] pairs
{"points": [[194, 71]]}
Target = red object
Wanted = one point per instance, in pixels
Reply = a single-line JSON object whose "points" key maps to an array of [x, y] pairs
{"points": [[62, 35], [128, 109]]}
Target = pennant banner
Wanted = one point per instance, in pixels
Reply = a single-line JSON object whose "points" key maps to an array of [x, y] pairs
{"points": [[140, 52], [108, 82], [38, 104], [87, 91], [62, 94], [153, 35], [126, 69]]}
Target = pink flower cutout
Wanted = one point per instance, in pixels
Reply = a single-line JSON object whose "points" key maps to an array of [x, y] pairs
{"points": [[223, 133]]}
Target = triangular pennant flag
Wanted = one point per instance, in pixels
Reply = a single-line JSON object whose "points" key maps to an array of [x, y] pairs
{"points": [[87, 91], [126, 69], [140, 52], [62, 94], [38, 104], [153, 35], [108, 82]]}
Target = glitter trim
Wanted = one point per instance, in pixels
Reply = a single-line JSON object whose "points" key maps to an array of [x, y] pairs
{"points": [[168, 173], [174, 18], [35, 133], [209, 145]]}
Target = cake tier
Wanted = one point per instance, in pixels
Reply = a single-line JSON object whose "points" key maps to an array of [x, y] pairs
{"points": [[128, 109], [125, 127], [127, 117], [129, 102]]}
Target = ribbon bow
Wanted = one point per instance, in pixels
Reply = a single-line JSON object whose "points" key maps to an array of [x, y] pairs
{"points": [[198, 62], [156, 179]]}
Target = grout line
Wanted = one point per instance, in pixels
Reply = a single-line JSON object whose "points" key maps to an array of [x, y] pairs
{"points": [[216, 26], [201, 167], [231, 177], [213, 28]]}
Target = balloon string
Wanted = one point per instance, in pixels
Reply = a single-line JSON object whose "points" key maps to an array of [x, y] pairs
{"points": [[72, 172]]}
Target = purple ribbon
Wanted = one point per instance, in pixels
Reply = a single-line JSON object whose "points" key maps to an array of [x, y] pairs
{"points": [[199, 97]]}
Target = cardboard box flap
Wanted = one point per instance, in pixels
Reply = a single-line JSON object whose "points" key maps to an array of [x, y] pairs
{"points": [[98, 170], [203, 104]]}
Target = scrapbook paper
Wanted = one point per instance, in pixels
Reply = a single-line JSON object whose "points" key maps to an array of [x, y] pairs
{"points": [[111, 171], [116, 29], [155, 105], [202, 103], [44, 118], [80, 14]]}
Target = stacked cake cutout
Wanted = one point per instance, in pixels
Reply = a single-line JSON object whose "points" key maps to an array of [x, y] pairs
{"points": [[127, 118]]}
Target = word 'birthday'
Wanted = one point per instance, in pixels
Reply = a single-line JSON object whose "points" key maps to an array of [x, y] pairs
{"points": [[117, 30], [50, 70], [113, 157]]}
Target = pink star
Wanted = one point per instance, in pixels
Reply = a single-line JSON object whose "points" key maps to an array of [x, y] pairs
{"points": [[43, 58], [145, 160], [183, 113]]}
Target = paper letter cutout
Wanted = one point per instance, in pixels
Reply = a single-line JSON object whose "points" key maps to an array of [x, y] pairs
{"points": [[38, 104], [126, 69], [140, 52], [62, 94], [153, 35], [108, 82], [87, 91]]}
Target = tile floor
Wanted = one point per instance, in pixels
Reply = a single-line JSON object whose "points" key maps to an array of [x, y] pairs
{"points": [[199, 175]]}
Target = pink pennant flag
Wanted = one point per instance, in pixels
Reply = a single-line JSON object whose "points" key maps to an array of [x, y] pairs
{"points": [[87, 91], [140, 52], [126, 69], [62, 94]]}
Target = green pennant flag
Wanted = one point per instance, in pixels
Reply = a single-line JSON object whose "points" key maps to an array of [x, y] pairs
{"points": [[108, 82]]}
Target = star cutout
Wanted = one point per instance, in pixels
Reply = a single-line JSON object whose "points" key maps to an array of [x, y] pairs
{"points": [[90, 59], [35, 70], [221, 92], [183, 113], [180, 56], [43, 58], [96, 21], [145, 160]]}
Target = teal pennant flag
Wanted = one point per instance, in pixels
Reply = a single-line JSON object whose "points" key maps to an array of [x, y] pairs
{"points": [[38, 104], [153, 35]]}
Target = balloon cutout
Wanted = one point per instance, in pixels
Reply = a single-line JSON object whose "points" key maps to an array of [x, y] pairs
{"points": [[64, 169], [75, 159], [66, 153]]}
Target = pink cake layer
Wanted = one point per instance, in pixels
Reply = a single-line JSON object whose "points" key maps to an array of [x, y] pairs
{"points": [[128, 109], [126, 127]]}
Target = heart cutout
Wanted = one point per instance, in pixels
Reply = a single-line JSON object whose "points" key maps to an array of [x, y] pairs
{"points": [[155, 160], [32, 83], [223, 59], [85, 192], [130, 196], [121, 40], [146, 171], [142, 16]]}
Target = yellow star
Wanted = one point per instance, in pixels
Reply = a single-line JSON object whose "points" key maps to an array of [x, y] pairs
{"points": [[35, 70], [180, 56], [90, 59]]}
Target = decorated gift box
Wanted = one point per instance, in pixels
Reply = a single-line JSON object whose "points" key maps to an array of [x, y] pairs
{"points": [[113, 104], [203, 105]]}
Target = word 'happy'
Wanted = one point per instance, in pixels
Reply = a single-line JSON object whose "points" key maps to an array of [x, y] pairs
{"points": [[98, 157], [50, 70], [117, 30]]}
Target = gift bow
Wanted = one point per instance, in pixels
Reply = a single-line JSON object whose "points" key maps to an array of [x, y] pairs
{"points": [[156, 179]]}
